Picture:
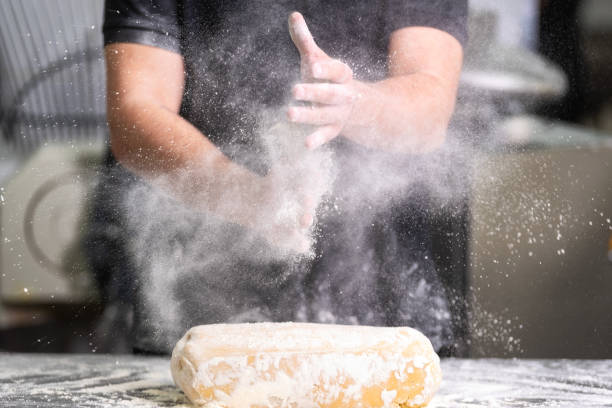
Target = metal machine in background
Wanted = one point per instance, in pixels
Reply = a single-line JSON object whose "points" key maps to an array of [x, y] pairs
{"points": [[53, 129], [540, 204], [541, 224], [42, 219], [51, 73]]}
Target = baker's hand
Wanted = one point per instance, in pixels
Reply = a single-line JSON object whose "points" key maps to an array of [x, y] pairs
{"points": [[283, 216], [327, 84]]}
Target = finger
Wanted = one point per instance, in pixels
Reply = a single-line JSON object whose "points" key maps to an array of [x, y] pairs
{"points": [[309, 203], [300, 34], [308, 207], [322, 135], [306, 220], [332, 70], [321, 115], [328, 94]]}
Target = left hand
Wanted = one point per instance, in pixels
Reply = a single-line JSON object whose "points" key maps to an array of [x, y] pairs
{"points": [[328, 86]]}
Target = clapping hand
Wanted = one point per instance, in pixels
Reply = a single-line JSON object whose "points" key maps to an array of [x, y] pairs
{"points": [[327, 84]]}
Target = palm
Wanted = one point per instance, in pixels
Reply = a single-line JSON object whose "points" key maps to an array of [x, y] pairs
{"points": [[327, 85]]}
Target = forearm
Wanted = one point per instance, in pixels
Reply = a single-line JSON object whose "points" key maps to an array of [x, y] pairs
{"points": [[148, 135], [167, 150], [407, 113]]}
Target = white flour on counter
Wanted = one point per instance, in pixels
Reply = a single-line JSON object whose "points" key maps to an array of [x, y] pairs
{"points": [[65, 381]]}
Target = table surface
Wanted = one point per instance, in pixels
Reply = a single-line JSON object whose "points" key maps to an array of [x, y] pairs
{"points": [[35, 380]]}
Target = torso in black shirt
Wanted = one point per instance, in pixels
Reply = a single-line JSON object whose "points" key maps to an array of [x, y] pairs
{"points": [[239, 61], [239, 58]]}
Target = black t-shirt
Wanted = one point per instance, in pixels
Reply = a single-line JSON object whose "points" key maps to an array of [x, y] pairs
{"points": [[239, 58]]}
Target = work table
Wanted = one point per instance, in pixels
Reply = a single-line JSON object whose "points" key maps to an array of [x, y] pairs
{"points": [[90, 381]]}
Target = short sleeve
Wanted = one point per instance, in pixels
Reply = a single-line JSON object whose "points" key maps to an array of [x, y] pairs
{"points": [[147, 22], [446, 15]]}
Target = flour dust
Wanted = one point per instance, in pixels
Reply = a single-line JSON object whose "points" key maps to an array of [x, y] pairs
{"points": [[365, 260]]}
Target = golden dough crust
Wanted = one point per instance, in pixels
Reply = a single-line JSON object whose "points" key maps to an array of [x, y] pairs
{"points": [[303, 365]]}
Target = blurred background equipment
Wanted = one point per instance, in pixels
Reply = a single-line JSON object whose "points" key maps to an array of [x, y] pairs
{"points": [[52, 137], [595, 52], [539, 269], [42, 222], [51, 73], [541, 196]]}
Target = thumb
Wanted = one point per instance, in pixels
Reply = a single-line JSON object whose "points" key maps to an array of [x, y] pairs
{"points": [[301, 36]]}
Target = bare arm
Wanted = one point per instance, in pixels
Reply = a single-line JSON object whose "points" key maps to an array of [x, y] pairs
{"points": [[409, 111], [145, 88]]}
